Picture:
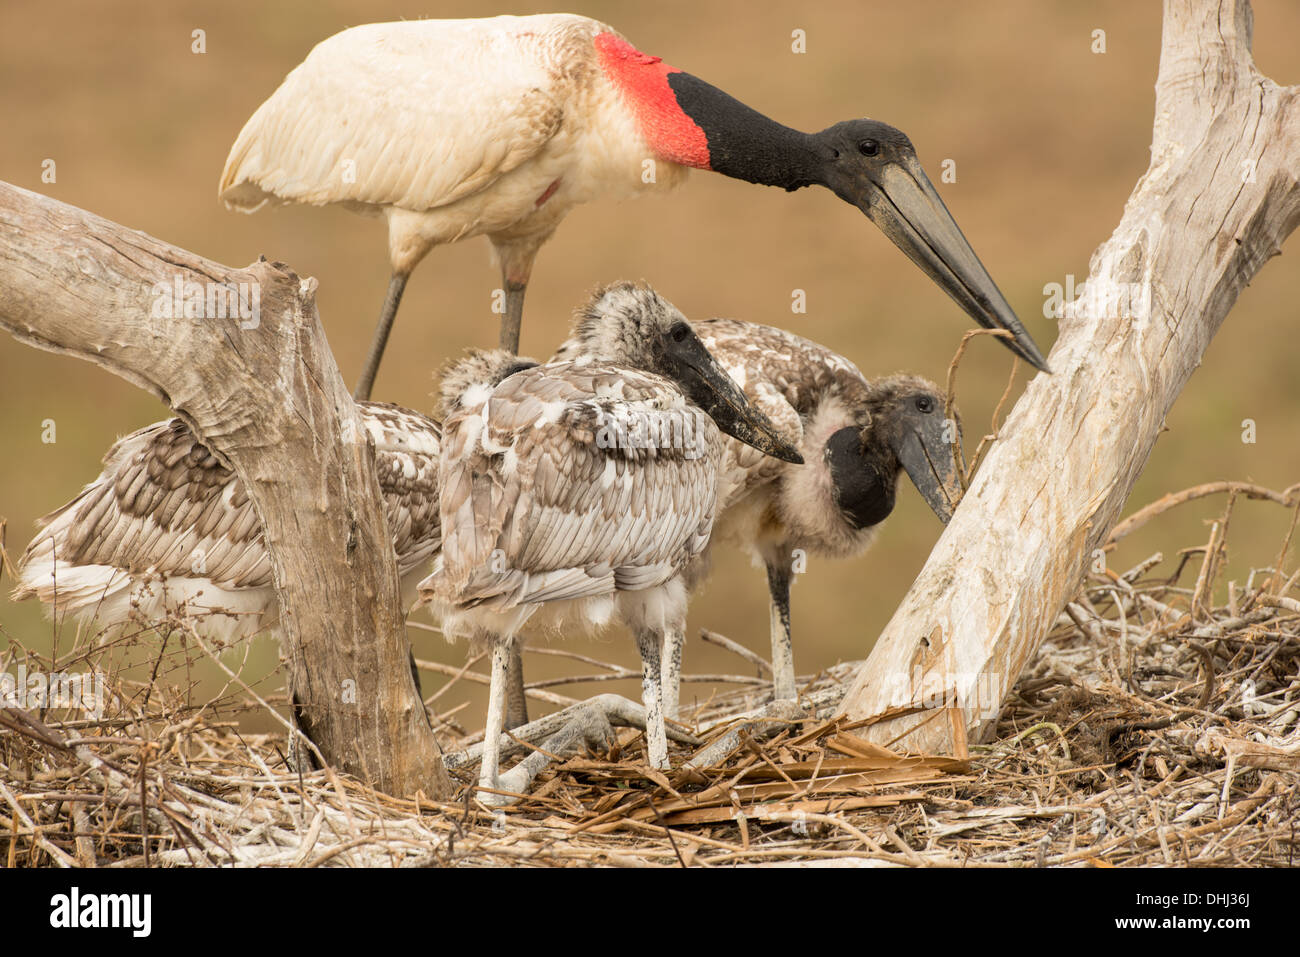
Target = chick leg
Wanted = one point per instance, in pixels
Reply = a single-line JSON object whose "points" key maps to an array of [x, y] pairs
{"points": [[489, 771], [648, 642], [516, 699], [778, 584], [671, 667]]}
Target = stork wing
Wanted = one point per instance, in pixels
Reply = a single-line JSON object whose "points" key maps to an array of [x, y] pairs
{"points": [[407, 449], [762, 361], [414, 114], [164, 505], [543, 502]]}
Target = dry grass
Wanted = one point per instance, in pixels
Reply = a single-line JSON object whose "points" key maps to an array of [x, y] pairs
{"points": [[1154, 726]]}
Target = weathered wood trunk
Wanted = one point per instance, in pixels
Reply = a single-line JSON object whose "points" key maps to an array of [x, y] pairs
{"points": [[263, 391], [1217, 201]]}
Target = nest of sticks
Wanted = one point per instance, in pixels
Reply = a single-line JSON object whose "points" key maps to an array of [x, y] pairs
{"points": [[1153, 727]]}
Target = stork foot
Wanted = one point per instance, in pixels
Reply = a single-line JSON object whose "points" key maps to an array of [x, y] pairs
{"points": [[784, 709], [588, 724], [618, 711], [759, 724], [765, 722], [587, 729]]}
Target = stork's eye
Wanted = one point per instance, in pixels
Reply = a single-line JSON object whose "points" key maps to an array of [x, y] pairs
{"points": [[925, 404], [679, 332], [868, 147]]}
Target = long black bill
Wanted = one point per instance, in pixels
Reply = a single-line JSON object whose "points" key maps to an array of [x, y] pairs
{"points": [[709, 387], [909, 211], [927, 455]]}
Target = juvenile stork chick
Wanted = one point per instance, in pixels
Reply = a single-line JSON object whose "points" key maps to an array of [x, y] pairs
{"points": [[581, 489], [857, 436]]}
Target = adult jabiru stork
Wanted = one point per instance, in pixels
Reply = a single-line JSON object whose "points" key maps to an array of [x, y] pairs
{"points": [[500, 126]]}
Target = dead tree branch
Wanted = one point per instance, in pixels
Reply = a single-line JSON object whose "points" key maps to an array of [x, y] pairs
{"points": [[1217, 201], [262, 390]]}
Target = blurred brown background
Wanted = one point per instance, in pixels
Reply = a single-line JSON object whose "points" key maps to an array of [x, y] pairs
{"points": [[1048, 139]]}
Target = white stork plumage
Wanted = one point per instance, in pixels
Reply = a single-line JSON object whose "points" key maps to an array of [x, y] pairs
{"points": [[580, 490], [500, 126]]}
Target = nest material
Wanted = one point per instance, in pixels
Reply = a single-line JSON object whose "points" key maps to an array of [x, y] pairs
{"points": [[1152, 727]]}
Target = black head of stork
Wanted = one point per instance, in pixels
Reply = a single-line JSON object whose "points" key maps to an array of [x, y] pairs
{"points": [[873, 166], [868, 164], [630, 324], [907, 432]]}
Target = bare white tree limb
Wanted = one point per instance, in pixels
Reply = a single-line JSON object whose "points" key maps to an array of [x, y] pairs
{"points": [[1217, 201]]}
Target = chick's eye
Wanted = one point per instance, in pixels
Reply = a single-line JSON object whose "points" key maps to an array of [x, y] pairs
{"points": [[679, 332], [868, 147], [925, 404]]}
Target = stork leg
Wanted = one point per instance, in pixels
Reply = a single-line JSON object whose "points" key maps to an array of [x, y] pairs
{"points": [[778, 584], [648, 642], [671, 667], [516, 699], [513, 318], [489, 772], [396, 286]]}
